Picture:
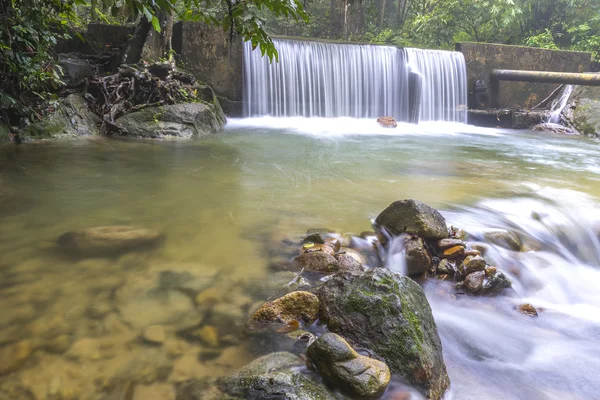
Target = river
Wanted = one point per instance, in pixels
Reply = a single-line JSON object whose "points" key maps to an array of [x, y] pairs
{"points": [[221, 202]]}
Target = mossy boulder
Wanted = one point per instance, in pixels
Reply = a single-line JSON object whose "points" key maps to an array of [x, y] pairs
{"points": [[274, 376], [584, 110], [182, 121], [72, 118], [387, 313], [343, 368], [412, 216]]}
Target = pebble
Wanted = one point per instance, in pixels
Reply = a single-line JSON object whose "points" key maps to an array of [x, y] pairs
{"points": [[154, 334], [14, 355], [209, 335]]}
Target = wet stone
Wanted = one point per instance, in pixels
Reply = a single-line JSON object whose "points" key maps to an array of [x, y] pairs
{"points": [[348, 263], [472, 264], [316, 247], [342, 367], [443, 244], [418, 260], [296, 307], [319, 262], [446, 267], [453, 252], [474, 282], [412, 216], [527, 309]]}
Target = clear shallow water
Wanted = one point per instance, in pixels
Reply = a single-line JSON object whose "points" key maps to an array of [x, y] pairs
{"points": [[219, 203]]}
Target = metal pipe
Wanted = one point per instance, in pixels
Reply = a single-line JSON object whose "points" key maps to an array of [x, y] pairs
{"points": [[569, 78]]}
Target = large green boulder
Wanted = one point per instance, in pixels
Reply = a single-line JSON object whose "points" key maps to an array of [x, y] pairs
{"points": [[388, 314], [176, 121], [584, 110], [412, 216], [279, 375], [72, 118]]}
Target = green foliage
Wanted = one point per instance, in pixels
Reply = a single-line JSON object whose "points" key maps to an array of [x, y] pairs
{"points": [[543, 40], [29, 30]]}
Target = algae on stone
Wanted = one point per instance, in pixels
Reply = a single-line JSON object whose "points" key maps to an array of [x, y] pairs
{"points": [[387, 313]]}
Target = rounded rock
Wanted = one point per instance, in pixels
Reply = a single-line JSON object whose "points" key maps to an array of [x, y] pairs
{"points": [[342, 367], [412, 216], [295, 307]]}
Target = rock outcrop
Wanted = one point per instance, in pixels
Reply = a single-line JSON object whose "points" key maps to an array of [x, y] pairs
{"points": [[183, 121]]}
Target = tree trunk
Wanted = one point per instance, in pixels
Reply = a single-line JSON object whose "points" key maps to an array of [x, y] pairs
{"points": [[158, 45], [382, 13]]}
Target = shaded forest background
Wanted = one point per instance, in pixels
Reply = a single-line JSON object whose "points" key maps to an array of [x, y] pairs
{"points": [[552, 24]]}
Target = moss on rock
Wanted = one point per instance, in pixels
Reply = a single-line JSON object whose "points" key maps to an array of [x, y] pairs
{"points": [[389, 314]]}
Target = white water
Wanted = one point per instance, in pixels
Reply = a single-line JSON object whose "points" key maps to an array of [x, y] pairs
{"points": [[493, 352], [315, 79], [559, 105]]}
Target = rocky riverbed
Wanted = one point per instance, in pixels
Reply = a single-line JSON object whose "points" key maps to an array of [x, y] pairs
{"points": [[153, 334]]}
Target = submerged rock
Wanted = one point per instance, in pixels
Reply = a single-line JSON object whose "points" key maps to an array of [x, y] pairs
{"points": [[154, 334], [387, 313], [412, 216], [342, 367], [506, 239], [14, 355], [107, 240], [296, 307]]}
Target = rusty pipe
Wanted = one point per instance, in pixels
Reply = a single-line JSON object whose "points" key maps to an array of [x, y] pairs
{"points": [[569, 78]]}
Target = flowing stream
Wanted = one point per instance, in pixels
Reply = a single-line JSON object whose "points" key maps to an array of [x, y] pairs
{"points": [[221, 204]]}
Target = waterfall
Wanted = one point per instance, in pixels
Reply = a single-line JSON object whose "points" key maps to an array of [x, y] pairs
{"points": [[559, 105], [318, 79], [444, 84]]}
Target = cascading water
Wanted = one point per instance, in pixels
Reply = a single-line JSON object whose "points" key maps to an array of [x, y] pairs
{"points": [[559, 105], [316, 79], [444, 84]]}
